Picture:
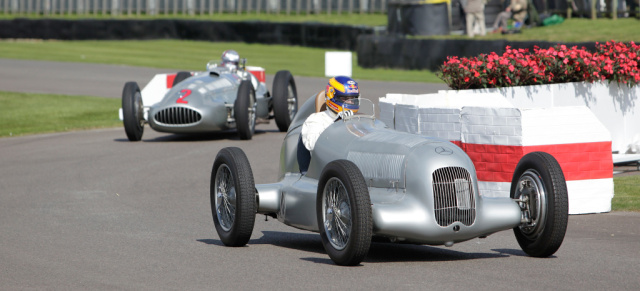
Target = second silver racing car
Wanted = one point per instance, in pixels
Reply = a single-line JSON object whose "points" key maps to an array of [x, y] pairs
{"points": [[220, 98]]}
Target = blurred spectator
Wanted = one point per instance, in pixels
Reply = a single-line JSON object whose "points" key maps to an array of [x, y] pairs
{"points": [[632, 5], [463, 18], [516, 10], [474, 11]]}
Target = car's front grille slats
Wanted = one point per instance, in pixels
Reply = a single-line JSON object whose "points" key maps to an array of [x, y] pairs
{"points": [[453, 196], [177, 116]]}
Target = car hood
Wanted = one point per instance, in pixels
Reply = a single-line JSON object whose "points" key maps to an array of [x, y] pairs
{"points": [[203, 88], [380, 152]]}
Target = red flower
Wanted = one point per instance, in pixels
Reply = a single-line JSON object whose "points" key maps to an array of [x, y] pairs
{"points": [[611, 61]]}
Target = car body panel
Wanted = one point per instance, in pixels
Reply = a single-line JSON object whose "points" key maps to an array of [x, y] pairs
{"points": [[209, 95], [399, 169]]}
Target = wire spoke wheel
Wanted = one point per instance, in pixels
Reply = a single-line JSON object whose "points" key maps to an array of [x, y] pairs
{"points": [[245, 110], [252, 110], [292, 102], [337, 214], [343, 210], [233, 197], [225, 201], [139, 110], [132, 111], [285, 99]]}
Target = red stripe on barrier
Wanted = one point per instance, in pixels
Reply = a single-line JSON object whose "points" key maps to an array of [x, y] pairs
{"points": [[170, 79], [457, 142], [579, 161]]}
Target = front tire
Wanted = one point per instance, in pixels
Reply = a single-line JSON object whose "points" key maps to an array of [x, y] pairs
{"points": [[132, 111], [285, 99], [343, 208], [233, 198], [541, 187], [245, 110]]}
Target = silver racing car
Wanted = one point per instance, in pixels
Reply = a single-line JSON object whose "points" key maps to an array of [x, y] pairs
{"points": [[366, 181], [218, 99]]}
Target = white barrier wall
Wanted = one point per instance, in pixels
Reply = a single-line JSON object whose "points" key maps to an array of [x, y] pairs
{"points": [[496, 135], [616, 106]]}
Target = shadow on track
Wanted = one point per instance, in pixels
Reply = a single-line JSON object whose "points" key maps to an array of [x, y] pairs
{"points": [[196, 137], [378, 253]]}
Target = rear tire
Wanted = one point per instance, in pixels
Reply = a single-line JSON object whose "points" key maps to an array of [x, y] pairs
{"points": [[181, 76], [285, 99], [539, 180], [233, 197], [245, 110], [343, 209], [132, 111]]}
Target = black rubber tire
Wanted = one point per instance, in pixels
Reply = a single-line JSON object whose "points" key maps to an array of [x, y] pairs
{"points": [[284, 88], [244, 110], [359, 237], [181, 76], [544, 239], [233, 160], [132, 111]]}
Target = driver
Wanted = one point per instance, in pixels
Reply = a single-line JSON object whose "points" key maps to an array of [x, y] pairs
{"points": [[341, 98], [230, 59]]}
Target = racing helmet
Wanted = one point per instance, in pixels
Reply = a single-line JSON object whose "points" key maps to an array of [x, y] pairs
{"points": [[230, 57], [342, 94]]}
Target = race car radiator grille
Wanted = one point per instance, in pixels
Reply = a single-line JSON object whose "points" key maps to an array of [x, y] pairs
{"points": [[177, 116], [453, 196]]}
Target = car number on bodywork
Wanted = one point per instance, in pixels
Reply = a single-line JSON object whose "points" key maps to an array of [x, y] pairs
{"points": [[184, 94]]}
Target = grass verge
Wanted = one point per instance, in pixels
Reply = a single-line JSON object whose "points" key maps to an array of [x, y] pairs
{"points": [[627, 193], [571, 30], [23, 113], [194, 55]]}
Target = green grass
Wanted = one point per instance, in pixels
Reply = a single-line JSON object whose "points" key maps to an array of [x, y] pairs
{"points": [[193, 55], [573, 30], [23, 113], [627, 193]]}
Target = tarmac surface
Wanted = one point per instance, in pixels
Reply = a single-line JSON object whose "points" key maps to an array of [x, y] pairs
{"points": [[90, 210]]}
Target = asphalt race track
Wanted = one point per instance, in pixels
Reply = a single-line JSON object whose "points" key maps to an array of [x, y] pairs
{"points": [[89, 210]]}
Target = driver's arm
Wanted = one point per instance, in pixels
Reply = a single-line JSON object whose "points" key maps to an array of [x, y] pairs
{"points": [[314, 126]]}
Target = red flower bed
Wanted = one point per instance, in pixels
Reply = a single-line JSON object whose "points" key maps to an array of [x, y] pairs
{"points": [[613, 61]]}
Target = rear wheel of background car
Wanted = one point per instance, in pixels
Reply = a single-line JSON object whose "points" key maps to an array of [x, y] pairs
{"points": [[233, 199], [181, 76], [132, 111], [245, 110], [539, 181], [343, 208], [285, 99]]}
